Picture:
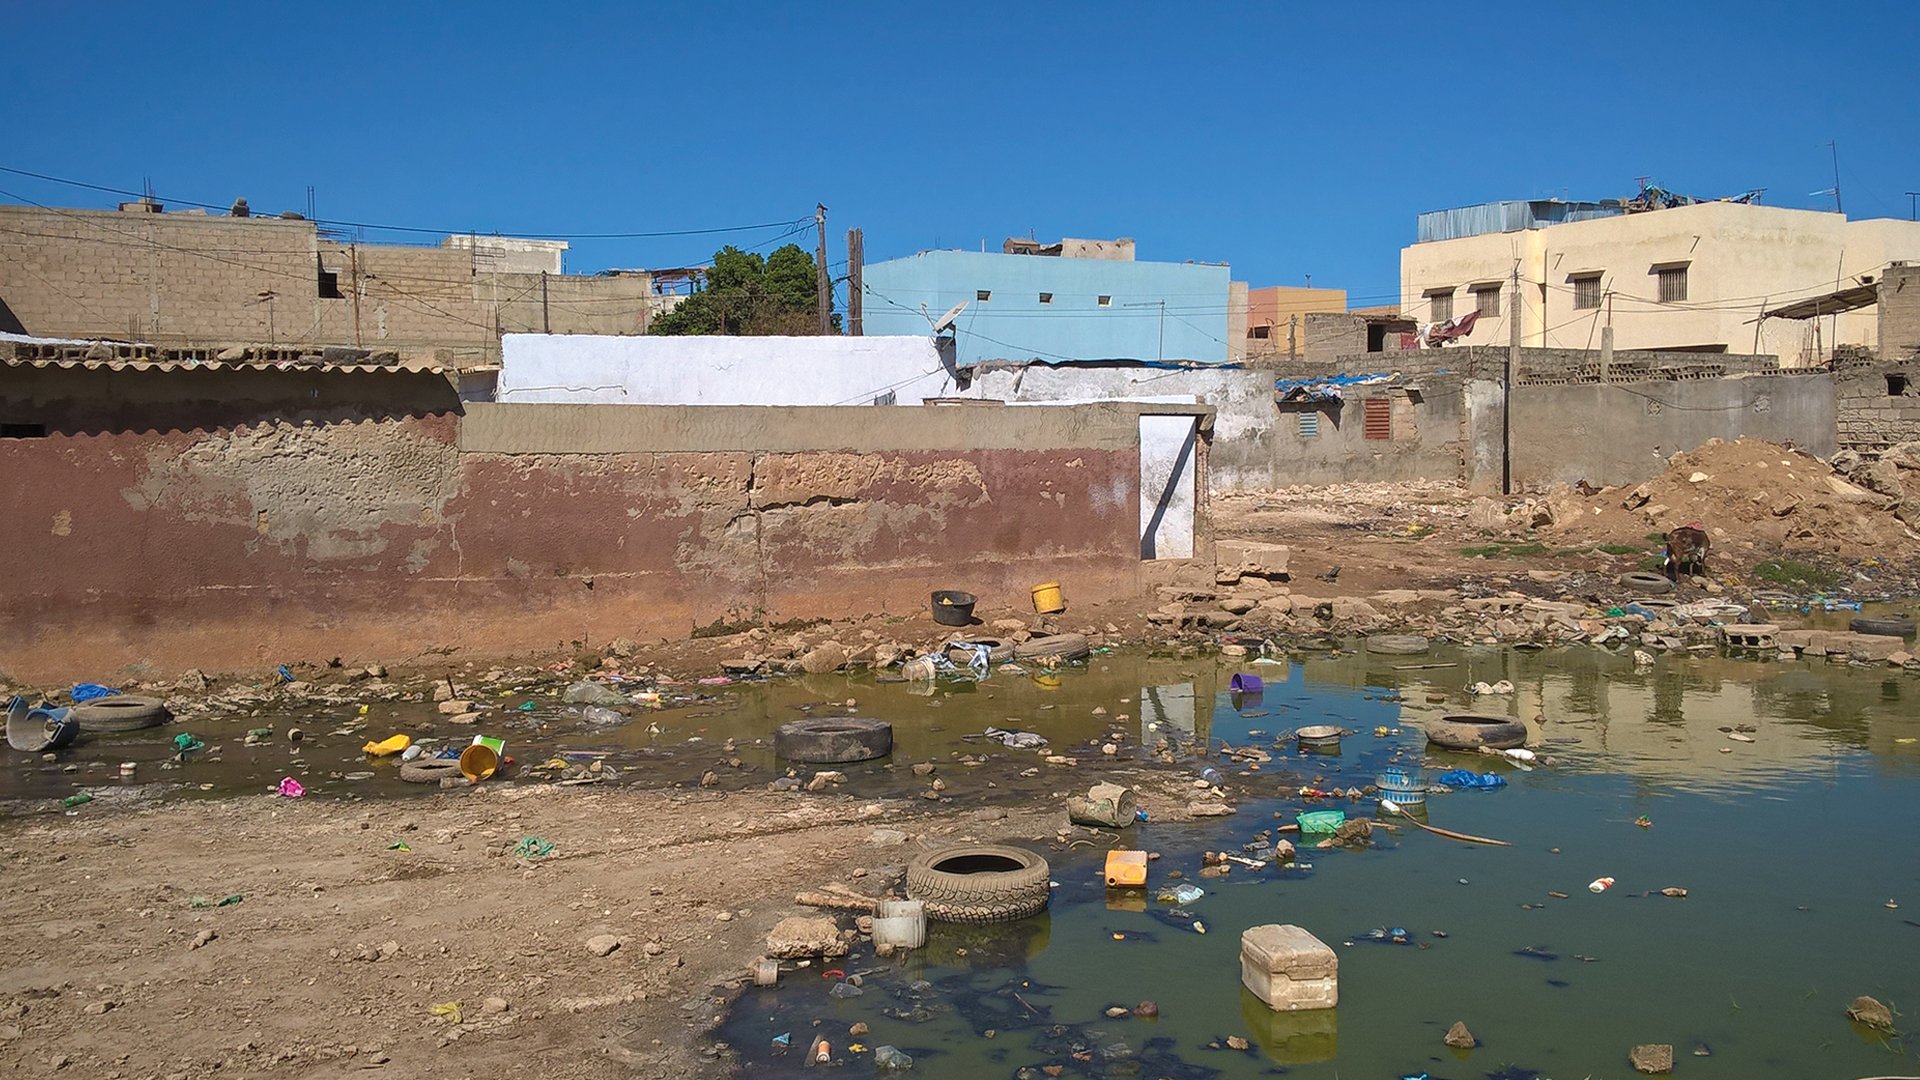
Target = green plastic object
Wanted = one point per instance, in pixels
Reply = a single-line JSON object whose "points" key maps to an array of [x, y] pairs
{"points": [[186, 743], [76, 800], [1318, 821]]}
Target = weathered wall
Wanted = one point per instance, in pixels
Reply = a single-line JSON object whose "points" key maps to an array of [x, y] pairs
{"points": [[700, 370], [517, 527], [195, 278], [1622, 433], [1426, 436], [1877, 403], [1900, 312]]}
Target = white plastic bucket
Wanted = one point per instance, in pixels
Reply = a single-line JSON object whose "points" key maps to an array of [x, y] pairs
{"points": [[900, 923]]}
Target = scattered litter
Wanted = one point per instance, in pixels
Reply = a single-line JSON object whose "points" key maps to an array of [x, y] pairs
{"points": [[1600, 885], [291, 788], [532, 847], [1464, 778], [1182, 894], [586, 692], [87, 691], [448, 1009], [1504, 686], [1016, 740], [398, 845], [185, 743], [393, 744], [1643, 821], [203, 902]]}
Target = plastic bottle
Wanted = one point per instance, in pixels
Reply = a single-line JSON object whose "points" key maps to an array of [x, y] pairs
{"points": [[76, 800], [1600, 885], [1212, 776]]}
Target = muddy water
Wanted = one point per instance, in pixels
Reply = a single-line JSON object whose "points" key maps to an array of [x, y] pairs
{"points": [[1790, 846]]}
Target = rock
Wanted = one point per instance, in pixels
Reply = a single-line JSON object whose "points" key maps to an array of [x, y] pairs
{"points": [[797, 937], [1117, 1011], [193, 682], [1239, 605], [1882, 476], [494, 1006], [1459, 1037], [1484, 513], [622, 647], [1214, 871], [1254, 557], [1283, 851], [1207, 809], [201, 939], [1653, 1059], [822, 779], [602, 944], [376, 671], [1146, 1010], [586, 692], [1866, 1010], [1636, 498], [831, 656], [1235, 1042], [1352, 608], [101, 1008], [923, 768]]}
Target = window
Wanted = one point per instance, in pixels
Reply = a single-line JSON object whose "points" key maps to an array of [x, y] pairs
{"points": [[1260, 332], [329, 284], [1673, 284], [1046, 298], [1896, 385], [1106, 301], [1440, 305], [1307, 424], [1586, 292], [983, 295], [1378, 419], [1486, 300]]}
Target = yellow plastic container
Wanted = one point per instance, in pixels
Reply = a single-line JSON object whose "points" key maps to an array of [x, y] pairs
{"points": [[1048, 600], [1126, 869], [479, 761], [384, 747]]}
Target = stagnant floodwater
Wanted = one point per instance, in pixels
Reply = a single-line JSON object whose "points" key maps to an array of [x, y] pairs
{"points": [[1792, 848]]}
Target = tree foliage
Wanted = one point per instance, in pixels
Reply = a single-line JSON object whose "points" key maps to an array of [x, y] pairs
{"points": [[748, 295]]}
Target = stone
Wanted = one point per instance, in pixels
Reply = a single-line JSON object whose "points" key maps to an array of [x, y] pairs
{"points": [[1204, 809], [454, 706], [822, 779], [1252, 556], [1354, 609], [193, 682], [1882, 476], [1289, 968], [1866, 1010], [1486, 514], [1654, 1059], [1146, 1010], [1239, 605], [1117, 1011], [831, 656], [602, 944], [798, 937], [857, 1031], [101, 1008], [494, 1006], [1459, 1037], [1235, 1042]]}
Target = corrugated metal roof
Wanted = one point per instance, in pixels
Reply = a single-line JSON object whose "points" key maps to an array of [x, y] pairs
{"points": [[1831, 303]]}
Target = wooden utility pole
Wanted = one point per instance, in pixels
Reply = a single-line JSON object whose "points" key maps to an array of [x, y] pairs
{"points": [[856, 258], [546, 326], [822, 284]]}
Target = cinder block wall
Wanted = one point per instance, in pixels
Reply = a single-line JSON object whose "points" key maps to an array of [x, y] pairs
{"points": [[1877, 402]]}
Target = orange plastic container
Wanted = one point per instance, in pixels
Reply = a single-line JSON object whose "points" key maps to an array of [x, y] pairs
{"points": [[1126, 869]]}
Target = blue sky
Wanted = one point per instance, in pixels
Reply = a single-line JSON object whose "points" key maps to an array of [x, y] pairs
{"points": [[1287, 140]]}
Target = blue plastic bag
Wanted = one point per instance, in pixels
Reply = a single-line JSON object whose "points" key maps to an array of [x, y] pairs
{"points": [[87, 691], [1461, 778]]}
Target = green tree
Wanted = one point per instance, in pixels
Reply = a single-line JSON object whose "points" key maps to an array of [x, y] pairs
{"points": [[748, 295]]}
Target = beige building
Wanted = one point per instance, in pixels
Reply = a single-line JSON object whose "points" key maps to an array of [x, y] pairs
{"points": [[192, 279], [1690, 278], [1276, 318]]}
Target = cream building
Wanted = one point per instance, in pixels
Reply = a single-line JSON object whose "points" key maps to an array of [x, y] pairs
{"points": [[1693, 277]]}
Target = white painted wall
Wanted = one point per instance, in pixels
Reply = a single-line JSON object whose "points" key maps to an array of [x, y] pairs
{"points": [[1167, 496], [584, 368]]}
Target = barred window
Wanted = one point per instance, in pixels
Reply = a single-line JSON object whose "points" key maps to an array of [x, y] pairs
{"points": [[1673, 284], [1586, 292], [1440, 305], [1487, 301]]}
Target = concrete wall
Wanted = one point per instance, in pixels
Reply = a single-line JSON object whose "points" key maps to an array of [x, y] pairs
{"points": [[1015, 325], [194, 279], [517, 527], [1427, 436], [1877, 403], [720, 370], [1739, 259], [1899, 312], [1622, 433]]}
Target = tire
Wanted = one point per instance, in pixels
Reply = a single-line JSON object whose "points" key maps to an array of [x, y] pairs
{"points": [[1062, 646], [1882, 627], [430, 770], [998, 651], [1471, 731], [979, 883], [1646, 582], [121, 712], [832, 739], [1398, 644]]}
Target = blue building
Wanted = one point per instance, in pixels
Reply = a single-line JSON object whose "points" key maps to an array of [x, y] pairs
{"points": [[1076, 300]]}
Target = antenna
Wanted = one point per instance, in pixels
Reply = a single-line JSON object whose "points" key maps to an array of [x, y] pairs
{"points": [[1836, 179], [945, 321], [1913, 208]]}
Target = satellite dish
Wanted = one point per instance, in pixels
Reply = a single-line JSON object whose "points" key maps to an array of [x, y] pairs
{"points": [[945, 321]]}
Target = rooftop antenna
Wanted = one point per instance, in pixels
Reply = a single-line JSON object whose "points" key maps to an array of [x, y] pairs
{"points": [[1837, 208]]}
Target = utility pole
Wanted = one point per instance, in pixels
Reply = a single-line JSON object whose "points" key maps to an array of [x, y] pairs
{"points": [[1506, 387], [856, 259], [1838, 209], [1293, 337], [822, 284], [546, 326], [1913, 206], [353, 262], [1161, 350]]}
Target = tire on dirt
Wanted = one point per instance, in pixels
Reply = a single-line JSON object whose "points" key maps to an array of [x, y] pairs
{"points": [[1471, 731], [1645, 581], [121, 712], [1398, 644], [829, 739], [998, 651], [430, 770], [1061, 646], [979, 883], [1882, 627]]}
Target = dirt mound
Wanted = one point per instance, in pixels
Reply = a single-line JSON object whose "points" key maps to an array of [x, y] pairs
{"points": [[1758, 499]]}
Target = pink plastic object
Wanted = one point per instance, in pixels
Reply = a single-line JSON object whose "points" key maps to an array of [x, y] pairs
{"points": [[291, 788]]}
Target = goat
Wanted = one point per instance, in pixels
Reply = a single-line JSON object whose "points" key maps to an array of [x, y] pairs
{"points": [[1687, 550]]}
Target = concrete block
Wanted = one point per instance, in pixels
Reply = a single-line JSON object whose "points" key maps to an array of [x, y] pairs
{"points": [[1288, 968], [1751, 636], [1260, 557], [1872, 647]]}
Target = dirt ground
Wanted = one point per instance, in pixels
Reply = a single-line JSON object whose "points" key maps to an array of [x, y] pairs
{"points": [[124, 963]]}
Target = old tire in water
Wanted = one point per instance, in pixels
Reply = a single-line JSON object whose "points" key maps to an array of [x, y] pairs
{"points": [[1059, 646], [121, 712], [1882, 627], [833, 738], [1646, 582], [1398, 644], [1471, 731], [430, 770], [998, 651], [979, 883]]}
